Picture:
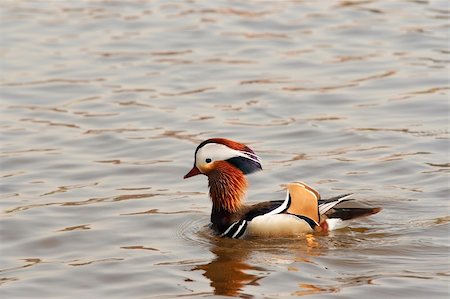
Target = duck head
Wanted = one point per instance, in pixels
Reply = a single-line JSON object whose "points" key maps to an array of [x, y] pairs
{"points": [[210, 154], [225, 163]]}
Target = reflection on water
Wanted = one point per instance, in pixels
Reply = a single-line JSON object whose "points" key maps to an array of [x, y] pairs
{"points": [[228, 271], [103, 102], [237, 263]]}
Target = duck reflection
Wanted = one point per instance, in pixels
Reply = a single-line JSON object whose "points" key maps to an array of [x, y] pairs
{"points": [[229, 272], [234, 267]]}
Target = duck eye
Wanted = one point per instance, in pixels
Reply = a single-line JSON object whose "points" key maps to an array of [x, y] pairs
{"points": [[208, 160]]}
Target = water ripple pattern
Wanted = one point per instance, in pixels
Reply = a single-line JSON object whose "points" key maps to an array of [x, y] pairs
{"points": [[103, 103]]}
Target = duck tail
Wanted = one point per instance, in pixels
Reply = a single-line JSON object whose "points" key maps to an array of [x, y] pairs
{"points": [[351, 213], [339, 211]]}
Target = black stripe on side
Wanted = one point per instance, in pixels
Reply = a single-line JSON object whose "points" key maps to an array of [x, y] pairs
{"points": [[262, 208], [308, 220], [242, 231], [231, 227], [234, 229]]}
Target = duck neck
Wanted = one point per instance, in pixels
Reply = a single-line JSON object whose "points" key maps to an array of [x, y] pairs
{"points": [[227, 186]]}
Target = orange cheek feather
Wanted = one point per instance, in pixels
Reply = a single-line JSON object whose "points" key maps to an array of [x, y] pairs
{"points": [[227, 185]]}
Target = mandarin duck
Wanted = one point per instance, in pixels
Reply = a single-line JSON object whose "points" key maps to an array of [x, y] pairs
{"points": [[226, 162]]}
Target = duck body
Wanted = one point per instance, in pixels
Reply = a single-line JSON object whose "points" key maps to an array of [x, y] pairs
{"points": [[226, 162]]}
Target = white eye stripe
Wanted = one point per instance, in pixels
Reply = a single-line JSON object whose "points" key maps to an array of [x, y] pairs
{"points": [[220, 152], [250, 156]]}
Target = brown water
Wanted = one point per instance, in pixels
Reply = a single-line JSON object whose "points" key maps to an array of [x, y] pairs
{"points": [[104, 102]]}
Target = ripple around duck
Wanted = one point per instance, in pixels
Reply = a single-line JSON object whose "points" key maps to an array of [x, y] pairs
{"points": [[104, 105], [197, 231]]}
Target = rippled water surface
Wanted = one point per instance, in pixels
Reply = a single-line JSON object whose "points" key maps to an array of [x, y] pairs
{"points": [[104, 102]]}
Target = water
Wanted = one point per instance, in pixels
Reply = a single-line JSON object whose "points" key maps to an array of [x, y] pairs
{"points": [[104, 102]]}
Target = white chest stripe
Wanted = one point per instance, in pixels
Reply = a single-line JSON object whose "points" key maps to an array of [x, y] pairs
{"points": [[239, 229], [228, 229]]}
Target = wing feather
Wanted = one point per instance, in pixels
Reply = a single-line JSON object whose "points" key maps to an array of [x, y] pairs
{"points": [[304, 201], [326, 205]]}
